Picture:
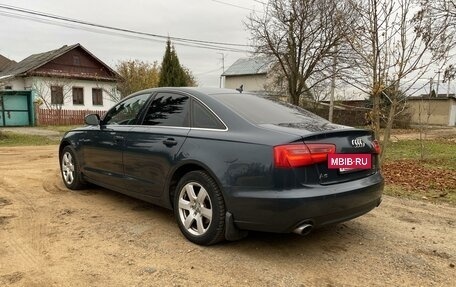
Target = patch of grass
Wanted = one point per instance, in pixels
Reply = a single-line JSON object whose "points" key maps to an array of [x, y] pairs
{"points": [[61, 129], [438, 153], [14, 139]]}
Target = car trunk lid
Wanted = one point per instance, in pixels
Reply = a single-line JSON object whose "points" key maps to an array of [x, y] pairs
{"points": [[347, 141]]}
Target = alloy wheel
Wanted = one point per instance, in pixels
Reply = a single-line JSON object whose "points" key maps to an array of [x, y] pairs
{"points": [[68, 168], [195, 208]]}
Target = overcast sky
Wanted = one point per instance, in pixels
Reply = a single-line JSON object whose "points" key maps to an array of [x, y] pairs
{"points": [[207, 20]]}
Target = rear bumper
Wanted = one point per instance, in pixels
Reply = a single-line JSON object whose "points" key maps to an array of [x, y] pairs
{"points": [[282, 211]]}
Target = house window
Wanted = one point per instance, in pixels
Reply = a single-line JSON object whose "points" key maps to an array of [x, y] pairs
{"points": [[76, 61], [8, 87], [56, 95], [97, 97], [78, 96]]}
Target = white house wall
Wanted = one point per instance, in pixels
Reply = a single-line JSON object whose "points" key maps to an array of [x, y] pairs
{"points": [[14, 83], [42, 88], [250, 82], [430, 111], [452, 121]]}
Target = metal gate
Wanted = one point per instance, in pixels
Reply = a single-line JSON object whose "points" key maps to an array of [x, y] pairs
{"points": [[16, 108]]}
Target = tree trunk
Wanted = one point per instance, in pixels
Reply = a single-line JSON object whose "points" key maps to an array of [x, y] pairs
{"points": [[293, 95], [294, 100], [389, 127], [376, 113]]}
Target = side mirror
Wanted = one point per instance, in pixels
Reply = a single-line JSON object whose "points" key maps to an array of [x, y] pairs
{"points": [[92, 120]]}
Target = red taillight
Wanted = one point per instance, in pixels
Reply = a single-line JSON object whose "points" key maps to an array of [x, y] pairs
{"points": [[294, 155], [376, 146]]}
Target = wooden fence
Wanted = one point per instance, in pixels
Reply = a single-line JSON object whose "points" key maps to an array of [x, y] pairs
{"points": [[55, 117]]}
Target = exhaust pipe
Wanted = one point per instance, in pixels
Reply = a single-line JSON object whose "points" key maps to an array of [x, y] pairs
{"points": [[303, 229]]}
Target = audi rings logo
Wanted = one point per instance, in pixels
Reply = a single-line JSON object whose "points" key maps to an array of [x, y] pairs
{"points": [[358, 142]]}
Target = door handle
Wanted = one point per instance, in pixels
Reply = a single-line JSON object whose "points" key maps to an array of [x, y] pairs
{"points": [[169, 142]]}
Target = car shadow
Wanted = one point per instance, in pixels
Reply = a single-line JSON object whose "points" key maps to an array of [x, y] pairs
{"points": [[329, 240], [332, 239], [125, 203]]}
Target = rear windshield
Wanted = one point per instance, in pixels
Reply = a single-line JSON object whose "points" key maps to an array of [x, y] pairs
{"points": [[266, 110]]}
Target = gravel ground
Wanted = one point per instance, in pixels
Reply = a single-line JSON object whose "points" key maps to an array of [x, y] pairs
{"points": [[50, 236]]}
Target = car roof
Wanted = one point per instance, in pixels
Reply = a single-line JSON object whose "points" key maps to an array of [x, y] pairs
{"points": [[232, 118], [193, 90]]}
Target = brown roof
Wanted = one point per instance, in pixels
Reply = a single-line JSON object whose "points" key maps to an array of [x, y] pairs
{"points": [[35, 61], [5, 63]]}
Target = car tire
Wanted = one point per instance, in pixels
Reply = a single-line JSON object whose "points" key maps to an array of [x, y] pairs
{"points": [[70, 170], [199, 208]]}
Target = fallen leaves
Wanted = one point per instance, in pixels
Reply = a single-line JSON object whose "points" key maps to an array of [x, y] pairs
{"points": [[412, 175]]}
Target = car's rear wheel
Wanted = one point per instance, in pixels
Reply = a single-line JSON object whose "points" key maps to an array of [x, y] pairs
{"points": [[70, 171], [199, 208]]}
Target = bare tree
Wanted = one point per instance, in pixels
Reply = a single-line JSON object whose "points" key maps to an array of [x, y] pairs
{"points": [[425, 110], [449, 75], [276, 84], [301, 35], [440, 18], [393, 47]]}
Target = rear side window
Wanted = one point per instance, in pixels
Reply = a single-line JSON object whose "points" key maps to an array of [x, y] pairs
{"points": [[168, 109], [203, 118], [261, 110]]}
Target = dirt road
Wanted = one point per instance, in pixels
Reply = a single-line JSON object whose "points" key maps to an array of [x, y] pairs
{"points": [[50, 236]]}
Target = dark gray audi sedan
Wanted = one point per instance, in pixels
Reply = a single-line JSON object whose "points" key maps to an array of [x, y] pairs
{"points": [[226, 162]]}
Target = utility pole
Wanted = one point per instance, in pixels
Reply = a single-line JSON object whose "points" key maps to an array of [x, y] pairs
{"points": [[449, 75], [438, 82], [333, 88], [223, 67]]}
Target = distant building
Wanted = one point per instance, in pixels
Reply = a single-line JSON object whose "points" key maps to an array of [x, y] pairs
{"points": [[439, 110], [66, 78], [249, 72]]}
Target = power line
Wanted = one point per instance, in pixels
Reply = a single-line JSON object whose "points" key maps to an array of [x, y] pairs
{"points": [[70, 26], [261, 2], [234, 5], [57, 17], [208, 72], [115, 33], [137, 34]]}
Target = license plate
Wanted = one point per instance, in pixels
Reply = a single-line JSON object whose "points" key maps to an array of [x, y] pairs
{"points": [[349, 162]]}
